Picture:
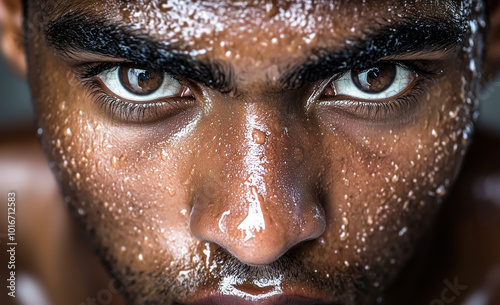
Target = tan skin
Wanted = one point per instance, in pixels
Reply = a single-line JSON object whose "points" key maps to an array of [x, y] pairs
{"points": [[292, 189]]}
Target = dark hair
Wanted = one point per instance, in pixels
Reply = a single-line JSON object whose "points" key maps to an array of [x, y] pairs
{"points": [[25, 7], [25, 18]]}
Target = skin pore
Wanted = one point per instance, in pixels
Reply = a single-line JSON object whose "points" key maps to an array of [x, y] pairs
{"points": [[264, 170]]}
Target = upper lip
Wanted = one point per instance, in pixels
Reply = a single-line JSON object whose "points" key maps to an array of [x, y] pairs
{"points": [[234, 290], [275, 300]]}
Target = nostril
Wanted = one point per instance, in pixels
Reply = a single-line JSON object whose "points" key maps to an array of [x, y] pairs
{"points": [[254, 237]]}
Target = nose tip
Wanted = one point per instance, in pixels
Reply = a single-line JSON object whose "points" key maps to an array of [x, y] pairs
{"points": [[260, 232]]}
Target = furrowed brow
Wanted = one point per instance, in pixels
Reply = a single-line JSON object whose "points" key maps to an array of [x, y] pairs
{"points": [[404, 38], [80, 32]]}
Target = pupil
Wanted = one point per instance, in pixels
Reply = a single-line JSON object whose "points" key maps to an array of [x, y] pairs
{"points": [[144, 76], [139, 80], [374, 73], [376, 79]]}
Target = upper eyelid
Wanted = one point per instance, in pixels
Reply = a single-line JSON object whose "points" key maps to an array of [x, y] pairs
{"points": [[432, 71], [90, 70], [86, 71]]}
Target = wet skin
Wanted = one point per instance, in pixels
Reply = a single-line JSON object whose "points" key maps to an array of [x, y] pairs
{"points": [[265, 172]]}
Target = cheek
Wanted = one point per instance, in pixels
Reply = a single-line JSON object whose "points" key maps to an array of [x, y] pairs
{"points": [[386, 181], [123, 183]]}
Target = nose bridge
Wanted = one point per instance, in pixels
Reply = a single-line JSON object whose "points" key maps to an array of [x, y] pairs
{"points": [[261, 207], [264, 139]]}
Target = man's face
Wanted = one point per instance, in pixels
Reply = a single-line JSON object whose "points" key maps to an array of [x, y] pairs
{"points": [[290, 152]]}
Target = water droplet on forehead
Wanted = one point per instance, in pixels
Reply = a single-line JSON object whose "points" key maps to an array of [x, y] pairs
{"points": [[345, 221], [395, 178]]}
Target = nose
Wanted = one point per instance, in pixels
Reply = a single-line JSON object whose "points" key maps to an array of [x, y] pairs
{"points": [[259, 198]]}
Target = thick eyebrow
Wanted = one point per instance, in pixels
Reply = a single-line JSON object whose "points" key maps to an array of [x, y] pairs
{"points": [[404, 38], [79, 31]]}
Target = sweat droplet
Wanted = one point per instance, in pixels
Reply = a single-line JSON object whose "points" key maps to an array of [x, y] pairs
{"points": [[272, 9], [441, 191], [345, 220], [453, 114], [115, 162], [171, 191], [298, 154], [259, 137], [164, 155]]}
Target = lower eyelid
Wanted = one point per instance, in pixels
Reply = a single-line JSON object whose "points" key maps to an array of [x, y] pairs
{"points": [[132, 112], [386, 111]]}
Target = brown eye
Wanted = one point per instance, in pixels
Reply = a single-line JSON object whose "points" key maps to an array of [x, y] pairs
{"points": [[140, 81], [375, 79], [140, 84], [380, 82]]}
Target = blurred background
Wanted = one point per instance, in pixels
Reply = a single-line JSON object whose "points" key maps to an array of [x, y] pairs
{"points": [[15, 104]]}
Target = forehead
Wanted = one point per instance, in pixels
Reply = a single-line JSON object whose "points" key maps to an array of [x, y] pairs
{"points": [[265, 18], [257, 25]]}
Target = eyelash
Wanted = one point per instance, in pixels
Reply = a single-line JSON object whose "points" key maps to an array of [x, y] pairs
{"points": [[426, 71], [118, 108], [382, 110]]}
